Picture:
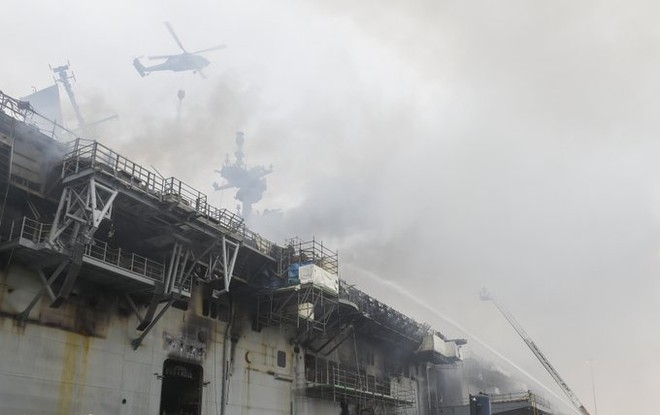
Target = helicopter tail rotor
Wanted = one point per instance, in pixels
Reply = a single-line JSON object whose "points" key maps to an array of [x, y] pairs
{"points": [[139, 67]]}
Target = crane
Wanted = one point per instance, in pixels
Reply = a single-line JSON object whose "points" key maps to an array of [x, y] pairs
{"points": [[485, 295]]}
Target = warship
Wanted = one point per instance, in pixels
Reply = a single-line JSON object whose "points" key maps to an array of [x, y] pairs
{"points": [[126, 292]]}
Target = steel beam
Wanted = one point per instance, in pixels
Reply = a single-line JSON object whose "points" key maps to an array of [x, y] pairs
{"points": [[226, 258], [82, 208], [137, 341], [23, 316], [71, 275]]}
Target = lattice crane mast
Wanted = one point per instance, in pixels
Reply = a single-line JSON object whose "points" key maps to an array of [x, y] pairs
{"points": [[485, 295]]}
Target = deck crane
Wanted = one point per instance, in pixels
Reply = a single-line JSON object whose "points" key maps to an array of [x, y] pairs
{"points": [[485, 295]]}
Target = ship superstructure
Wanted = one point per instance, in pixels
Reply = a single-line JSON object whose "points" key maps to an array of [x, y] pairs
{"points": [[124, 292]]}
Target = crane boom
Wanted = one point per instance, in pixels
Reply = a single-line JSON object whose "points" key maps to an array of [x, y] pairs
{"points": [[537, 352]]}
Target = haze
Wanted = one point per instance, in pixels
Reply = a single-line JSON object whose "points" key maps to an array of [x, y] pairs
{"points": [[440, 146]]}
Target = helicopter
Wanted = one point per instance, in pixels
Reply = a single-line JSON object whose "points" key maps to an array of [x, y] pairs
{"points": [[186, 61]]}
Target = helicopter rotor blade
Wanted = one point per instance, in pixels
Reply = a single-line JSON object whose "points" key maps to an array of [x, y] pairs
{"points": [[178, 42], [208, 49], [202, 74], [160, 57]]}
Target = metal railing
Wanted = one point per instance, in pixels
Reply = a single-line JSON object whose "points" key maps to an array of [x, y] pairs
{"points": [[27, 229], [24, 112], [125, 260], [85, 155], [382, 313], [529, 396], [360, 386], [314, 252]]}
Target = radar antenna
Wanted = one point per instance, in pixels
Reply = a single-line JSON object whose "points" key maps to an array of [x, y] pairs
{"points": [[250, 182]]}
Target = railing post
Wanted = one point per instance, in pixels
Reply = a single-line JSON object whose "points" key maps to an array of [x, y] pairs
{"points": [[94, 145], [118, 256], [132, 261]]}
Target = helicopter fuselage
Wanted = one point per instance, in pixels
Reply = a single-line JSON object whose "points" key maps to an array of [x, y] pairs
{"points": [[179, 63], [185, 61]]}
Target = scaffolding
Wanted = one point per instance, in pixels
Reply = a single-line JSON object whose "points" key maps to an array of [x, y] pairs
{"points": [[16, 109], [308, 306], [297, 251], [23, 112], [304, 305], [330, 381], [530, 400]]}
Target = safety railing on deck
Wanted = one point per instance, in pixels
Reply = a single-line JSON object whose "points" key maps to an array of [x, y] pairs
{"points": [[529, 396], [28, 229], [360, 386], [126, 260], [24, 112], [305, 252], [87, 155], [384, 314]]}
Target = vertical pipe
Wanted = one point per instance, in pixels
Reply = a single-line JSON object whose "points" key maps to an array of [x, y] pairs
{"points": [[168, 271], [225, 359], [175, 270], [428, 389], [56, 222]]}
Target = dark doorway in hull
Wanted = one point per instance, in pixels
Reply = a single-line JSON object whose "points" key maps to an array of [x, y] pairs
{"points": [[181, 393]]}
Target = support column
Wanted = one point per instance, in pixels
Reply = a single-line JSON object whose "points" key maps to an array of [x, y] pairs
{"points": [[82, 208], [23, 316], [223, 260]]}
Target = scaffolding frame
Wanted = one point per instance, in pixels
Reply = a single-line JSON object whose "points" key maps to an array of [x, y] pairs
{"points": [[305, 307], [538, 404], [384, 395], [297, 251], [24, 112]]}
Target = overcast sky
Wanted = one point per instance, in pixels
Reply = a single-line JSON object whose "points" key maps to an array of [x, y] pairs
{"points": [[440, 146]]}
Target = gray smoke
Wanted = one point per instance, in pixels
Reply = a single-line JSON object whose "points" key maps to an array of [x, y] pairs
{"points": [[443, 146]]}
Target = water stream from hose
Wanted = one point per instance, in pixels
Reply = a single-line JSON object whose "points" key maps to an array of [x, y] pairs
{"points": [[397, 288]]}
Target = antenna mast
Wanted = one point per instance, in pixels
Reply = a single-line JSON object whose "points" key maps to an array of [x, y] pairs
{"points": [[250, 182], [64, 74]]}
